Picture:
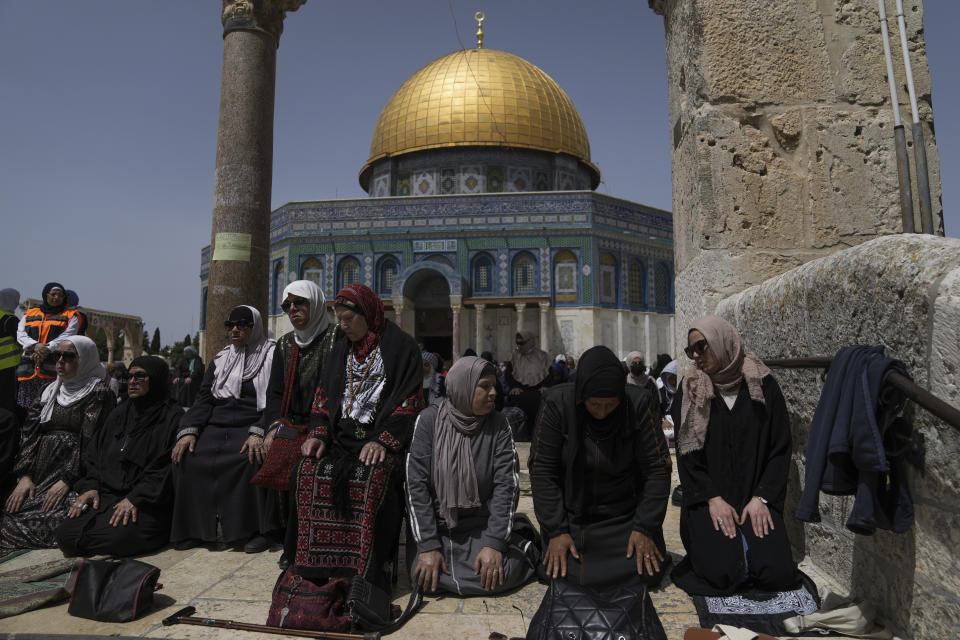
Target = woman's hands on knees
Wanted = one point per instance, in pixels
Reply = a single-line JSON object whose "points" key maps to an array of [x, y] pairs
{"points": [[123, 512], [184, 444], [648, 556], [55, 496], [427, 572], [24, 490], [556, 557], [85, 499], [253, 447], [373, 453], [312, 447], [723, 517], [489, 566], [760, 517]]}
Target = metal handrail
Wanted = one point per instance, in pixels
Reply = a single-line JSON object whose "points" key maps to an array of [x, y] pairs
{"points": [[946, 412]]}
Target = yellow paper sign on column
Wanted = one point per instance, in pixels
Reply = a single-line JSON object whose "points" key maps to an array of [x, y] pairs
{"points": [[232, 246]]}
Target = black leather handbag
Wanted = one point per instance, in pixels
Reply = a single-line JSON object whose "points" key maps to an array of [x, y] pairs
{"points": [[371, 610], [113, 590], [571, 612]]}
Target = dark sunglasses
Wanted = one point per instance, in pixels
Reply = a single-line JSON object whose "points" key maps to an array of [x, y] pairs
{"points": [[242, 324], [66, 356], [698, 347], [139, 376], [299, 303]]}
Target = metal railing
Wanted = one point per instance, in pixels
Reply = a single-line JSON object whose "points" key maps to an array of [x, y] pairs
{"points": [[946, 412]]}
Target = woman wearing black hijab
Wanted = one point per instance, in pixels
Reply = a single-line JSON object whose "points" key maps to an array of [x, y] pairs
{"points": [[600, 473], [125, 497]]}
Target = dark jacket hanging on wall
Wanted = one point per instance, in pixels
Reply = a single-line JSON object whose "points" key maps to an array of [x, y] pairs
{"points": [[845, 450]]}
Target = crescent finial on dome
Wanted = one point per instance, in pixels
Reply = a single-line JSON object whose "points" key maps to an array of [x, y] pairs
{"points": [[479, 17]]}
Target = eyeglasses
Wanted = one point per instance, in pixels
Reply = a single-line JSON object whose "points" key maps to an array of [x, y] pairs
{"points": [[139, 376], [699, 347], [66, 356], [299, 303], [240, 324]]}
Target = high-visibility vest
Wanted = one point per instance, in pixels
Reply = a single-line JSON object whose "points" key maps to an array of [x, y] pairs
{"points": [[9, 348], [43, 328]]}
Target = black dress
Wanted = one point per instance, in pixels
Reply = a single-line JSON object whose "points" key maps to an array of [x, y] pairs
{"points": [[600, 487], [746, 453], [213, 482], [193, 369], [126, 461]]}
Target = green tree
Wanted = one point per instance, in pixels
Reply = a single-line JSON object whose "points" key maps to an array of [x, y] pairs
{"points": [[146, 341], [186, 340], [155, 343]]}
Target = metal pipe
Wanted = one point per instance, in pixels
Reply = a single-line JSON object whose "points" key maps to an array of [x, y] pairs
{"points": [[946, 412], [900, 138], [919, 148]]}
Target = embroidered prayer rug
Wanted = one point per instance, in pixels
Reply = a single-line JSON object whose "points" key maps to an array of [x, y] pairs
{"points": [[759, 611], [40, 585]]}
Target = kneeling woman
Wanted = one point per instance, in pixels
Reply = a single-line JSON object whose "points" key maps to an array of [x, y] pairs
{"points": [[600, 473], [347, 500], [125, 498], [733, 452], [220, 446], [462, 492]]}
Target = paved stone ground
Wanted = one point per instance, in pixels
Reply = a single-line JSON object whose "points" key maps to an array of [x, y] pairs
{"points": [[234, 585]]}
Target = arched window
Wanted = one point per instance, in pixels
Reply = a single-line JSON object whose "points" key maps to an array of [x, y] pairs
{"points": [[524, 274], [638, 284], [565, 276], [278, 286], [608, 278], [661, 285], [349, 272], [483, 274], [312, 269], [386, 273]]}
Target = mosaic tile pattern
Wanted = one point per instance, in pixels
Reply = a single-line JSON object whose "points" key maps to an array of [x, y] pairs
{"points": [[473, 180], [494, 178], [518, 179], [448, 180], [425, 183], [403, 184]]}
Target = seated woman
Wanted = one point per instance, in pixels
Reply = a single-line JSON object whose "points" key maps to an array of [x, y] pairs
{"points": [[462, 492], [59, 428], [733, 452], [220, 446], [347, 501], [600, 473], [125, 497]]}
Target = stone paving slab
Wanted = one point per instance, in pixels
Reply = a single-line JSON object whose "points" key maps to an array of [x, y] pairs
{"points": [[234, 585]]}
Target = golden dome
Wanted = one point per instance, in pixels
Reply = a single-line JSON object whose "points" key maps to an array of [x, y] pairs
{"points": [[479, 97]]}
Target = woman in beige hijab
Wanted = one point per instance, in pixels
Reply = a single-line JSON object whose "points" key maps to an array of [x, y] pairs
{"points": [[527, 374], [733, 454]]}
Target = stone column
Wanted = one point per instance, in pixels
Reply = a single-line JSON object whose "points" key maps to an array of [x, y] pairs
{"points": [[545, 326], [240, 239], [455, 307], [108, 331], [398, 311], [782, 137], [520, 306], [479, 309], [648, 354]]}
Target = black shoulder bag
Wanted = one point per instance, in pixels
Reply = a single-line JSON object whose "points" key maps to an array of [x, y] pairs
{"points": [[113, 590]]}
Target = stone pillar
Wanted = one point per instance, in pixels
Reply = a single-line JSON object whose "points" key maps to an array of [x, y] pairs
{"points": [[673, 338], [240, 239], [545, 326], [648, 354], [398, 311], [479, 312], [455, 307], [108, 331], [520, 306], [782, 135]]}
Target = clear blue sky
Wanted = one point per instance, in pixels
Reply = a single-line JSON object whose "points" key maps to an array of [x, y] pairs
{"points": [[108, 121]]}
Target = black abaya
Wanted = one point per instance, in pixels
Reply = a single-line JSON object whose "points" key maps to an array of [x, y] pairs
{"points": [[746, 453], [213, 482]]}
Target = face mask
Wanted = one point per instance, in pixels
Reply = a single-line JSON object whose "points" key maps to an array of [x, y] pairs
{"points": [[637, 369]]}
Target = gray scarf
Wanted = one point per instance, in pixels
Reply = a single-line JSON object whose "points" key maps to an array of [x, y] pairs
{"points": [[454, 476]]}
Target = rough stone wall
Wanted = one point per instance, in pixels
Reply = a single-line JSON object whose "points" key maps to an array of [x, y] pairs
{"points": [[901, 291], [783, 147]]}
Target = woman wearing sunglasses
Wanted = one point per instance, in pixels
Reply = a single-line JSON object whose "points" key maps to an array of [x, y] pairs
{"points": [[59, 428], [220, 446], [733, 454]]}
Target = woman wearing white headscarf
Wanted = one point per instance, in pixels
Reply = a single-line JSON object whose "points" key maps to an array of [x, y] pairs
{"points": [[462, 492], [58, 429], [527, 374], [220, 445]]}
